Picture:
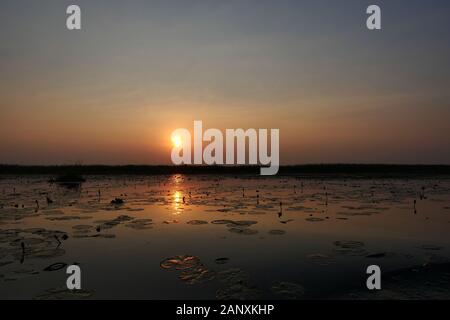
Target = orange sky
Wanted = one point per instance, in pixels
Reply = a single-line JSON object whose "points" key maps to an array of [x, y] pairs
{"points": [[113, 92]]}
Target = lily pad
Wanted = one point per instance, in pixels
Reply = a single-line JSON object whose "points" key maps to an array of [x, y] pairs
{"points": [[237, 286], [221, 260], [140, 224], [351, 248], [197, 274], [314, 219], [56, 266], [320, 259], [83, 227], [180, 262], [197, 222], [243, 231], [277, 232], [430, 247]]}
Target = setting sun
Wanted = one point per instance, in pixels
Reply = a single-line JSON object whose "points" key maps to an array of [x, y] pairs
{"points": [[176, 141]]}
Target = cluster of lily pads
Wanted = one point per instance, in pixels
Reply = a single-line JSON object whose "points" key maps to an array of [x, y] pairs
{"points": [[235, 284], [22, 245]]}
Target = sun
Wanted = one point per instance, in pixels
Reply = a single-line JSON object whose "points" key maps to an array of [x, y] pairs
{"points": [[176, 141]]}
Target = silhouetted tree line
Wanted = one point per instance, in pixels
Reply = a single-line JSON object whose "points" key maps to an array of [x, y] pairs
{"points": [[355, 170]]}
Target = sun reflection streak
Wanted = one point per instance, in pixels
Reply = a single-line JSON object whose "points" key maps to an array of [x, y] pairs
{"points": [[177, 202], [178, 197], [178, 178]]}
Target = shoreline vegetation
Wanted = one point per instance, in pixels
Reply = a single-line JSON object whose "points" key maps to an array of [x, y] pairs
{"points": [[309, 170]]}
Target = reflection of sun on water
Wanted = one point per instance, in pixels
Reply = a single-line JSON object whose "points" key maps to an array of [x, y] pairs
{"points": [[177, 178], [177, 202]]}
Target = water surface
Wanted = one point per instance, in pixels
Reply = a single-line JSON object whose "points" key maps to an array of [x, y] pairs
{"points": [[216, 237]]}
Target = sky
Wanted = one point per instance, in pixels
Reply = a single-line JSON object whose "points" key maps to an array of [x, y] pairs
{"points": [[112, 92]]}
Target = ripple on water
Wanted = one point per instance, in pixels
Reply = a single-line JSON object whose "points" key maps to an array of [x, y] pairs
{"points": [[64, 294], [431, 247], [288, 290]]}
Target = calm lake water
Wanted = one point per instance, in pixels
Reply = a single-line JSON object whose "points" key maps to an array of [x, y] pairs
{"points": [[216, 237]]}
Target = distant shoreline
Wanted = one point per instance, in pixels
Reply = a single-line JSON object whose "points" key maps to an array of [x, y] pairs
{"points": [[316, 170]]}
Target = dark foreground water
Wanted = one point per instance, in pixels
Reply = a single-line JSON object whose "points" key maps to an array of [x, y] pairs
{"points": [[217, 237]]}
